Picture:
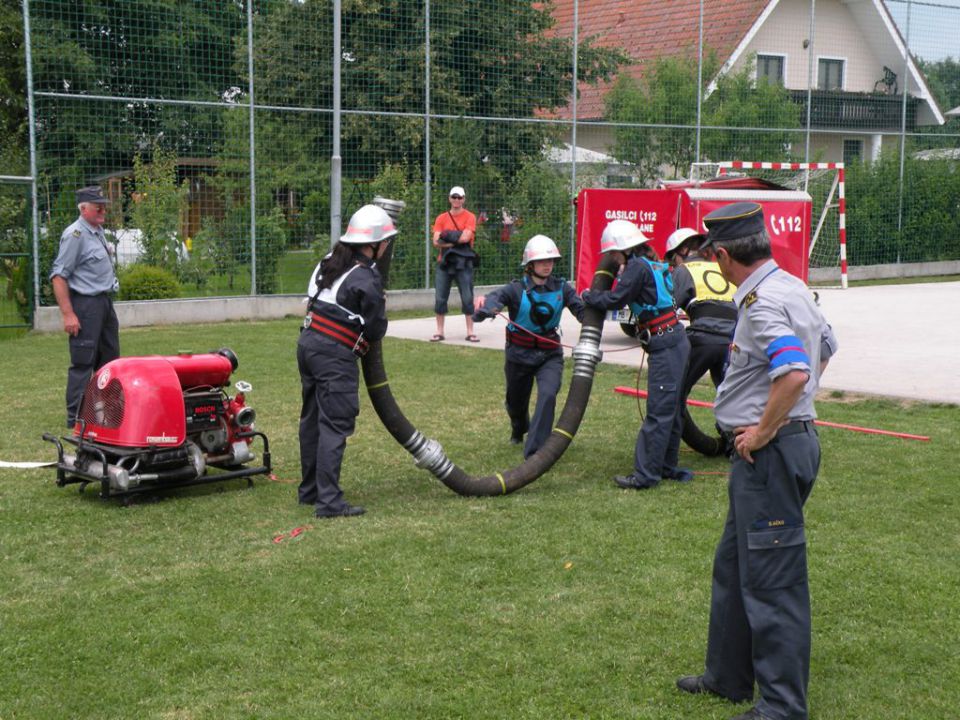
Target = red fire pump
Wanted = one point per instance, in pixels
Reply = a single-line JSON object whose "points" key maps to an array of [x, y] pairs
{"points": [[154, 422]]}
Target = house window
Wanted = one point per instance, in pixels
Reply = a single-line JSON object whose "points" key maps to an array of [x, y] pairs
{"points": [[852, 151], [830, 74], [770, 69]]}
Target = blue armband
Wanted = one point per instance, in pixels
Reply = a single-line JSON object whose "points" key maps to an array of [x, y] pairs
{"points": [[787, 350]]}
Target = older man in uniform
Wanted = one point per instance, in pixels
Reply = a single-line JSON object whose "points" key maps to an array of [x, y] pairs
{"points": [[84, 283], [760, 605]]}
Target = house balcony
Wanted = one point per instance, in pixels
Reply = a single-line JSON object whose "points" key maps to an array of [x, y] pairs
{"points": [[837, 110]]}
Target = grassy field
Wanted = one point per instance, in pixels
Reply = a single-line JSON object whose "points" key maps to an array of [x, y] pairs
{"points": [[568, 599]]}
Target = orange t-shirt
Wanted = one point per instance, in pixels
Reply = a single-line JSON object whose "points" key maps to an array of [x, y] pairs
{"points": [[465, 220]]}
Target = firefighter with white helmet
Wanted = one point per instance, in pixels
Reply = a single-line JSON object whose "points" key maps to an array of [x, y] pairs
{"points": [[644, 284], [702, 292], [347, 311], [533, 352], [681, 243]]}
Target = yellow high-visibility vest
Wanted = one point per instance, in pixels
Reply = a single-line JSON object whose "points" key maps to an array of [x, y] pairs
{"points": [[709, 282]]}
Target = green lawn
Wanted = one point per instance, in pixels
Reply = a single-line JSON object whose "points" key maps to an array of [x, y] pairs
{"points": [[568, 599]]}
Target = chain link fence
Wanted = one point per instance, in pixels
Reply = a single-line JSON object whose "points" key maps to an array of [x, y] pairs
{"points": [[211, 125], [16, 281]]}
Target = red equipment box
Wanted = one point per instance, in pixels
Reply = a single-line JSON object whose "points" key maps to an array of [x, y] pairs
{"points": [[684, 204]]}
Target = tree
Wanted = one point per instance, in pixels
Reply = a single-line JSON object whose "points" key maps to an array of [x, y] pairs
{"points": [[489, 58], [157, 204], [143, 49], [666, 100], [943, 78], [14, 210]]}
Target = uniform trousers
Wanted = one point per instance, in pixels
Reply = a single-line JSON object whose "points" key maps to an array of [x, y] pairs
{"points": [[96, 344], [658, 443], [520, 377], [329, 384], [704, 357], [760, 602]]}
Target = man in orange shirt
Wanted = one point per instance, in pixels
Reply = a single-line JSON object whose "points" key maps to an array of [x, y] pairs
{"points": [[453, 234]]}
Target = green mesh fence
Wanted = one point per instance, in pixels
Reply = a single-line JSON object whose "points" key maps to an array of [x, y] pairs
{"points": [[16, 280], [152, 100]]}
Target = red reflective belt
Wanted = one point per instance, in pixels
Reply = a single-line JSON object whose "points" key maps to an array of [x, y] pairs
{"points": [[668, 319], [340, 333], [521, 339]]}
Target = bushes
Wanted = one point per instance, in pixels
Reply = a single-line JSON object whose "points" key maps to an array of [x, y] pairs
{"points": [[929, 225], [146, 282]]}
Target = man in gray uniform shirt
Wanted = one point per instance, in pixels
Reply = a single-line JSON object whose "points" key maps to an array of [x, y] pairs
{"points": [[84, 283], [760, 604]]}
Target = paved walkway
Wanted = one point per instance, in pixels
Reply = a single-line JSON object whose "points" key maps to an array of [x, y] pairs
{"points": [[896, 340]]}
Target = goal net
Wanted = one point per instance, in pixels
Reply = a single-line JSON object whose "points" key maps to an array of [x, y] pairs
{"points": [[824, 182]]}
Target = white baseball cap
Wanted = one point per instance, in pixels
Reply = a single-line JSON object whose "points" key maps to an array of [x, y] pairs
{"points": [[457, 190]]}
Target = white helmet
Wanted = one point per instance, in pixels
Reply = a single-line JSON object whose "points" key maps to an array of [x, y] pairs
{"points": [[369, 224], [539, 247], [621, 235], [678, 237]]}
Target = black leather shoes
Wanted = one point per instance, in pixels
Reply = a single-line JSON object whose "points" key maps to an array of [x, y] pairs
{"points": [[632, 482], [695, 685], [751, 714], [347, 510], [516, 439], [692, 684]]}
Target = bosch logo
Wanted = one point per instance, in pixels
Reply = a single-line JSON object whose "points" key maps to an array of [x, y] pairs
{"points": [[205, 410]]}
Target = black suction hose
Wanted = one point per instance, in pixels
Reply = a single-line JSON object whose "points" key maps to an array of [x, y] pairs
{"points": [[429, 454]]}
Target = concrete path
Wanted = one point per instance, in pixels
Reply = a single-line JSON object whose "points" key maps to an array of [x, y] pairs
{"points": [[897, 340]]}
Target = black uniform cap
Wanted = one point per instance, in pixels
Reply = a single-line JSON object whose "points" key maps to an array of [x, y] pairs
{"points": [[92, 194], [733, 221]]}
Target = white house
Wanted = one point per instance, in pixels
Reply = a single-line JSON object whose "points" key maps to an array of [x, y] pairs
{"points": [[854, 55]]}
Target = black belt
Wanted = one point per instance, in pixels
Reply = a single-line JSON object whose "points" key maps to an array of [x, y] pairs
{"points": [[794, 427], [706, 309], [108, 293]]}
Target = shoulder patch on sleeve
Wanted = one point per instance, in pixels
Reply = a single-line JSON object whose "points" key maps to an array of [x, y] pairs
{"points": [[750, 299], [76, 233]]}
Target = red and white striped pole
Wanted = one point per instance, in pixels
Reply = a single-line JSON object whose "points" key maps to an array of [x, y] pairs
{"points": [[839, 167]]}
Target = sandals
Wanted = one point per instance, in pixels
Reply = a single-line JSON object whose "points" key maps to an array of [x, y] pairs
{"points": [[441, 338]]}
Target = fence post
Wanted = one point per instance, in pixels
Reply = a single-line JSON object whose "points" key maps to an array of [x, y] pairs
{"points": [[34, 212], [810, 47], [427, 177], [336, 181], [699, 83], [903, 127], [573, 140], [253, 163]]}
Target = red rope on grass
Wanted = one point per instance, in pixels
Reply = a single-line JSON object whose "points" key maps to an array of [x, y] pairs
{"points": [[841, 426], [507, 319]]}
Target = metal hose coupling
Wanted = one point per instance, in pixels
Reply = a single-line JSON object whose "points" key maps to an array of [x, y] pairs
{"points": [[428, 454], [390, 206], [587, 352]]}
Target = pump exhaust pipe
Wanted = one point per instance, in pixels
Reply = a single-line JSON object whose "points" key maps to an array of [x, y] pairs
{"points": [[429, 454], [393, 209]]}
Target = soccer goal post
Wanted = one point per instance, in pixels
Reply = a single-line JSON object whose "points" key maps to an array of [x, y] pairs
{"points": [[824, 182]]}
